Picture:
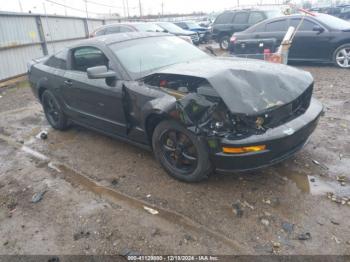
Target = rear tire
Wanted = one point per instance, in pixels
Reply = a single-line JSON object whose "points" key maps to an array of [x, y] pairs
{"points": [[53, 111], [341, 56], [224, 42], [190, 146]]}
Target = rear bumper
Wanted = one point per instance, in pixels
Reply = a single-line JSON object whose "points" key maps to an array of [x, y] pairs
{"points": [[281, 143]]}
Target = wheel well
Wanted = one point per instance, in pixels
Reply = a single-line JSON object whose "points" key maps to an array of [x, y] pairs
{"points": [[152, 121], [223, 35], [41, 92], [339, 45]]}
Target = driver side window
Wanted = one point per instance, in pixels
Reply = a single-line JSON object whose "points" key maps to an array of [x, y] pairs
{"points": [[85, 57]]}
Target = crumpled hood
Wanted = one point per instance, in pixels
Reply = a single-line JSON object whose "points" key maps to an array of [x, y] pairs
{"points": [[247, 86]]}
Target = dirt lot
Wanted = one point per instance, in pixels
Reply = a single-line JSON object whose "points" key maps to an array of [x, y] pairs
{"points": [[96, 190]]}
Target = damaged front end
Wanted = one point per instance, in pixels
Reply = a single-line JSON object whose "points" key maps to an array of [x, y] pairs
{"points": [[204, 112], [277, 131]]}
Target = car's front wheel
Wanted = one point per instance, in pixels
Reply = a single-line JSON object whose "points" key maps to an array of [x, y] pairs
{"points": [[53, 111], [224, 42], [180, 152], [341, 56]]}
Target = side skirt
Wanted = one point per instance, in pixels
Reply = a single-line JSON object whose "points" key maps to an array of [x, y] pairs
{"points": [[124, 139]]}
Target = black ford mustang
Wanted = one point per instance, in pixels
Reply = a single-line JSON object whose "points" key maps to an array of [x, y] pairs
{"points": [[198, 113]]}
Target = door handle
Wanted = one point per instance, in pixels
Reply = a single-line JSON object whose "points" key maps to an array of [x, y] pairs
{"points": [[68, 83]]}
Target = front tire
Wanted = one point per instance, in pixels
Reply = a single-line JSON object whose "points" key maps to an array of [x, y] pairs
{"points": [[182, 154], [53, 111], [224, 42], [341, 56]]}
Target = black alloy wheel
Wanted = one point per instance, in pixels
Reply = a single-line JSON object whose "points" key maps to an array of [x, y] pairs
{"points": [[181, 153], [53, 111]]}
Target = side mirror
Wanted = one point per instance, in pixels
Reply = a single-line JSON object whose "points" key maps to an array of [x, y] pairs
{"points": [[100, 72], [318, 29]]}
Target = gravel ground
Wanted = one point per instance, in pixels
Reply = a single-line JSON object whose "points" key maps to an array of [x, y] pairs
{"points": [[96, 189]]}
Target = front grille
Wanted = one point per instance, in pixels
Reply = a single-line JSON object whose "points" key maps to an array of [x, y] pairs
{"points": [[195, 38], [290, 111]]}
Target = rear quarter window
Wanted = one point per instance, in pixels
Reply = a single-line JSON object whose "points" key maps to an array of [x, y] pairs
{"points": [[113, 30], [255, 17], [276, 26], [125, 29], [240, 18], [58, 60], [258, 28], [100, 32]]}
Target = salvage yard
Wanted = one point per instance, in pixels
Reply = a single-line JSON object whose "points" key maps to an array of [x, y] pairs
{"points": [[79, 192]]}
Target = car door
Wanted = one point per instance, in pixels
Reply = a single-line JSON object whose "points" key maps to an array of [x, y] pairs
{"points": [[274, 30], [311, 41], [223, 25], [92, 101], [240, 21]]}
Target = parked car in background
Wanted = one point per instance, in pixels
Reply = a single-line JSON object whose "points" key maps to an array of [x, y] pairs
{"points": [[178, 31], [126, 27], [205, 22], [195, 111], [230, 22], [204, 33], [321, 38], [335, 11], [345, 12], [341, 11]]}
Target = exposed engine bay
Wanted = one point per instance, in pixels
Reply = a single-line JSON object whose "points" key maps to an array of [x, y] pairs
{"points": [[202, 109]]}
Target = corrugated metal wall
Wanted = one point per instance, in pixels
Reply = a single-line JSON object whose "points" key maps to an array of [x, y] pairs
{"points": [[14, 31], [94, 24], [25, 37], [62, 28]]}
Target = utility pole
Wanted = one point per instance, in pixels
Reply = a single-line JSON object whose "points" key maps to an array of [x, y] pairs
{"points": [[86, 9], [140, 8], [65, 8], [127, 7], [124, 8], [20, 6], [162, 8]]}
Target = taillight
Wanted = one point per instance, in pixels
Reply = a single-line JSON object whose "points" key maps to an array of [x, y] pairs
{"points": [[233, 39]]}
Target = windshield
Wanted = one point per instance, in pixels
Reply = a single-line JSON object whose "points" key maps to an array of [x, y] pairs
{"points": [[171, 28], [148, 27], [345, 9], [334, 22], [192, 25], [141, 56]]}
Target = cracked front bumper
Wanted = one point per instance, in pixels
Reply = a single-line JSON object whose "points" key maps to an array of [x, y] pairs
{"points": [[281, 143]]}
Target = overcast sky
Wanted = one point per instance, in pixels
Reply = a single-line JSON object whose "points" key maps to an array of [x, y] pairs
{"points": [[116, 6]]}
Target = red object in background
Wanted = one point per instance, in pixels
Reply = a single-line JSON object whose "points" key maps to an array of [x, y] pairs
{"points": [[233, 39], [306, 12], [267, 51], [163, 83]]}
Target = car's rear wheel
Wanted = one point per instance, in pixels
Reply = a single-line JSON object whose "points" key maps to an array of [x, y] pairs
{"points": [[53, 111], [342, 56], [224, 42], [181, 153]]}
